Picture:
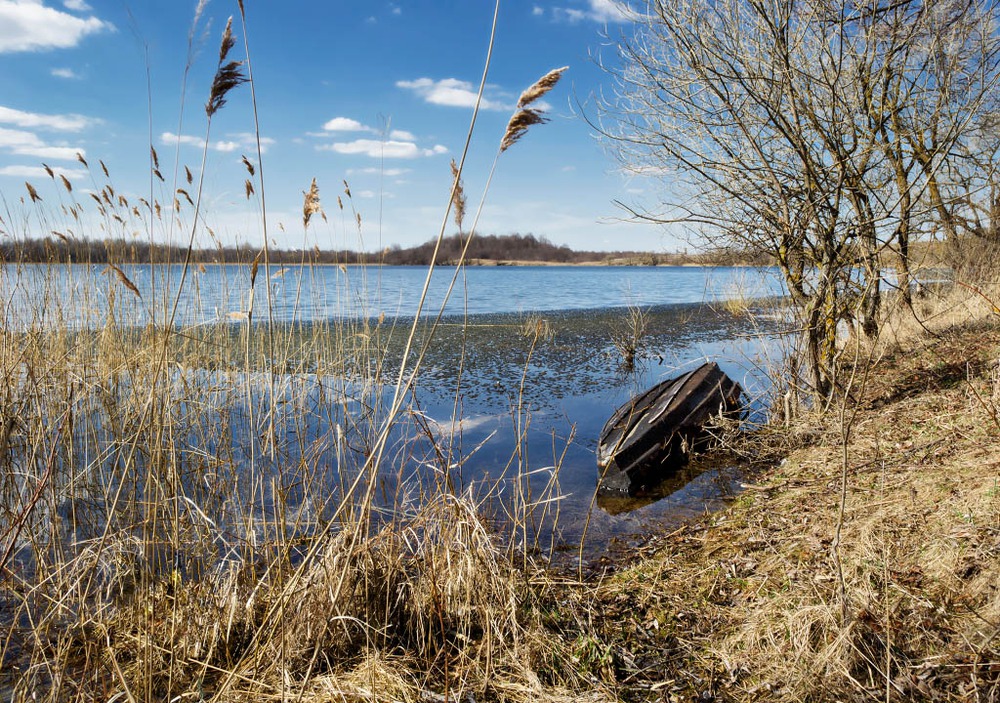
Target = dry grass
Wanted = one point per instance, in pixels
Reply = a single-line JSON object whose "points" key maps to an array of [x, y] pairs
{"points": [[200, 505], [628, 335], [748, 605]]}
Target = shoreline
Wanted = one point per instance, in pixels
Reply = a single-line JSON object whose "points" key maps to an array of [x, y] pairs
{"points": [[764, 592]]}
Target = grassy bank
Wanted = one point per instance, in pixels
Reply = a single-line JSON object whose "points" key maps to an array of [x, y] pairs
{"points": [[792, 595]]}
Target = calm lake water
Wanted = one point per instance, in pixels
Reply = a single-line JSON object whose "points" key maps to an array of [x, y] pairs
{"points": [[501, 406], [81, 293]]}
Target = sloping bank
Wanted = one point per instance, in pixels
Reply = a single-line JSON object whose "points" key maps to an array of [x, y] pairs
{"points": [[759, 602]]}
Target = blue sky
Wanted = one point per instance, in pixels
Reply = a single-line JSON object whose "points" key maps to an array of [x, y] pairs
{"points": [[375, 93]]}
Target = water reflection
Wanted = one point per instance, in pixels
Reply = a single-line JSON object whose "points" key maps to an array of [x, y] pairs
{"points": [[564, 390]]}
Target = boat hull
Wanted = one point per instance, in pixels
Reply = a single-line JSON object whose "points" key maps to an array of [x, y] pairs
{"points": [[652, 435]]}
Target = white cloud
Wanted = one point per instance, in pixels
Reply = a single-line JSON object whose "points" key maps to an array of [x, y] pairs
{"points": [[170, 138], [450, 92], [73, 174], [402, 135], [345, 124], [389, 149], [27, 25], [65, 73], [248, 141], [77, 5], [597, 11], [63, 153], [16, 138], [28, 144], [536, 11], [243, 140], [396, 9], [63, 123], [371, 171]]}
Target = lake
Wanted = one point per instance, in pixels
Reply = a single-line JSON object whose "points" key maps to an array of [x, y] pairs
{"points": [[495, 410], [81, 293]]}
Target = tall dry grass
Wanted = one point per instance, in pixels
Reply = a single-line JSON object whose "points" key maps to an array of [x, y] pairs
{"points": [[197, 502]]}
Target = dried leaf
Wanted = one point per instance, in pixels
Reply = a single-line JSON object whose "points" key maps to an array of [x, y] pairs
{"points": [[66, 183], [49, 171], [250, 167], [249, 188], [188, 176], [156, 158], [35, 197]]}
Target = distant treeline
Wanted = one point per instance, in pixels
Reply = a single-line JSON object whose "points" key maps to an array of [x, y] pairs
{"points": [[484, 249]]}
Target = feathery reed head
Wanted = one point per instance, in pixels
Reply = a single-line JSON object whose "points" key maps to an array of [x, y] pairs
{"points": [[540, 87], [35, 197], [457, 195], [524, 116], [310, 205], [227, 41], [125, 281], [227, 76], [519, 123]]}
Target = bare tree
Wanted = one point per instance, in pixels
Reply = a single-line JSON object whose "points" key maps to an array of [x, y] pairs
{"points": [[791, 127]]}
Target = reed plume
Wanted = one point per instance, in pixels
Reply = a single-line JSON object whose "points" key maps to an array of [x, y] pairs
{"points": [[458, 196], [227, 76], [35, 197], [524, 116], [542, 86], [310, 205], [125, 281]]}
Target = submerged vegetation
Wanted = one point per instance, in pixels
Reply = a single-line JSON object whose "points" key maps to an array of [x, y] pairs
{"points": [[240, 510]]}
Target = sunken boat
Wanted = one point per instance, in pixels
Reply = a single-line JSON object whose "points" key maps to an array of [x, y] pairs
{"points": [[650, 436]]}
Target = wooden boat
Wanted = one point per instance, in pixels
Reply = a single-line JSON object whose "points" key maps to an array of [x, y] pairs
{"points": [[652, 434]]}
